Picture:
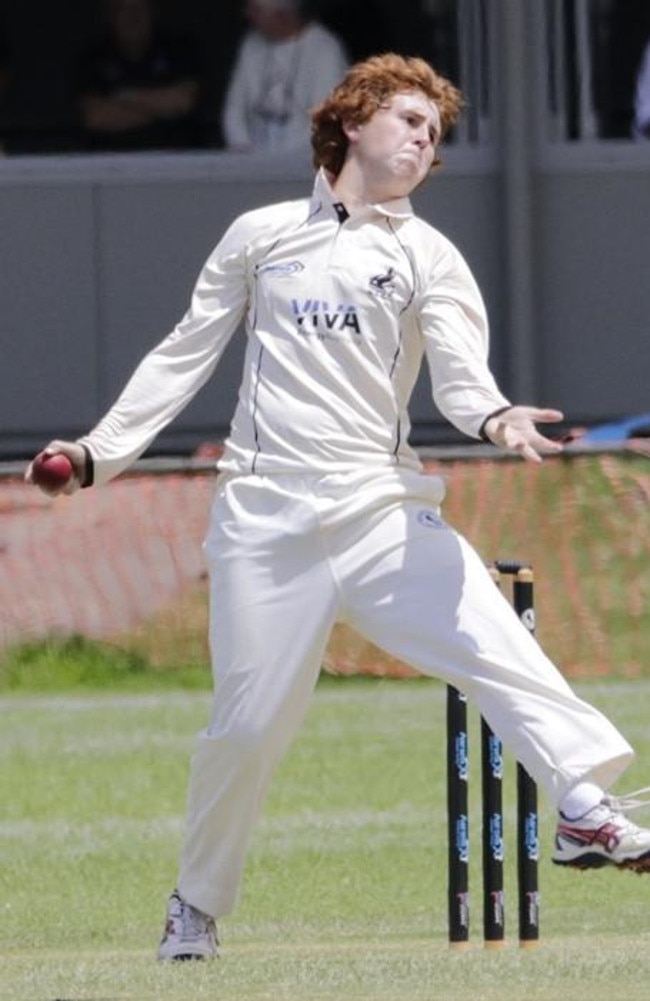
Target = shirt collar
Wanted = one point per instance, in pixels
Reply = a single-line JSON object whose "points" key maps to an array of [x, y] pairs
{"points": [[324, 197]]}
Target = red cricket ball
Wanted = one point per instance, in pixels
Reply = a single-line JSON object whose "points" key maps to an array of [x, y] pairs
{"points": [[52, 471]]}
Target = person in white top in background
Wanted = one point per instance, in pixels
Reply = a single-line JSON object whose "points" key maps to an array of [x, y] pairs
{"points": [[322, 512], [642, 97], [285, 65]]}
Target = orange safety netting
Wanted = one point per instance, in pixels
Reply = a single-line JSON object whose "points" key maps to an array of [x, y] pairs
{"points": [[124, 562]]}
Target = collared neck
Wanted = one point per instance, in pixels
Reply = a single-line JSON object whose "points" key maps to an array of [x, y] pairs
{"points": [[397, 208]]}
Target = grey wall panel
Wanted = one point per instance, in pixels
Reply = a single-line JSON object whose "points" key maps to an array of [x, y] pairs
{"points": [[593, 294], [48, 308]]}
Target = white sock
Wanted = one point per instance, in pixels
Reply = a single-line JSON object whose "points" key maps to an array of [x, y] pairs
{"points": [[579, 800]]}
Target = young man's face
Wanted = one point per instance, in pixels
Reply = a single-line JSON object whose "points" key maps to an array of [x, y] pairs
{"points": [[396, 147]]}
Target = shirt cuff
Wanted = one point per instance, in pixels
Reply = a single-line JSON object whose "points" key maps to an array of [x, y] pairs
{"points": [[89, 467], [495, 413]]}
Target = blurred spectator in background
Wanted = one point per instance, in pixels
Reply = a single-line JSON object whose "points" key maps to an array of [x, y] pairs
{"points": [[287, 63], [642, 97], [139, 86], [617, 34]]}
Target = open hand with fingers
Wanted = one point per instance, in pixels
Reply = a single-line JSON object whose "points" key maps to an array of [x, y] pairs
{"points": [[515, 430]]}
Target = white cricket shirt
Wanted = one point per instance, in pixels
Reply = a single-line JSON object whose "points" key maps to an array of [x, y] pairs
{"points": [[339, 312]]}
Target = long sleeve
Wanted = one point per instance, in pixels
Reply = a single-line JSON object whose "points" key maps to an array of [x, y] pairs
{"points": [[172, 373], [455, 329]]}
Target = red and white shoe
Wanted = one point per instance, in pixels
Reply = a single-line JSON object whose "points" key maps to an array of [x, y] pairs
{"points": [[189, 933], [604, 836]]}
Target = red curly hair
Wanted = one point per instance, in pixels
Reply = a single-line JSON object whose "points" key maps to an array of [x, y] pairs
{"points": [[365, 88]]}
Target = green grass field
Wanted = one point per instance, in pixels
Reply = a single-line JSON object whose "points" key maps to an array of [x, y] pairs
{"points": [[344, 896]]}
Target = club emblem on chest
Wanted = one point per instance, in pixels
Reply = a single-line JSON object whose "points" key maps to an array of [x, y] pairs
{"points": [[383, 285]]}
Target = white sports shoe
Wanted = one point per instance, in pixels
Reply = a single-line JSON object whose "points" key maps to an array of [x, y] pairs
{"points": [[189, 933], [604, 836]]}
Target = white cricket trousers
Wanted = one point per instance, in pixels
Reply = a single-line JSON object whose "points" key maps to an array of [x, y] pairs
{"points": [[289, 556]]}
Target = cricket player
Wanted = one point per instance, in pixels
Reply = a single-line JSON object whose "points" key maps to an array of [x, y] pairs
{"points": [[322, 513]]}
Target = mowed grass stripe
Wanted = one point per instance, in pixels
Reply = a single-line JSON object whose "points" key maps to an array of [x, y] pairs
{"points": [[585, 971], [344, 895]]}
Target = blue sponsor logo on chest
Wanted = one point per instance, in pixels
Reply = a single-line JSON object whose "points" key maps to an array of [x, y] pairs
{"points": [[318, 316], [284, 269]]}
